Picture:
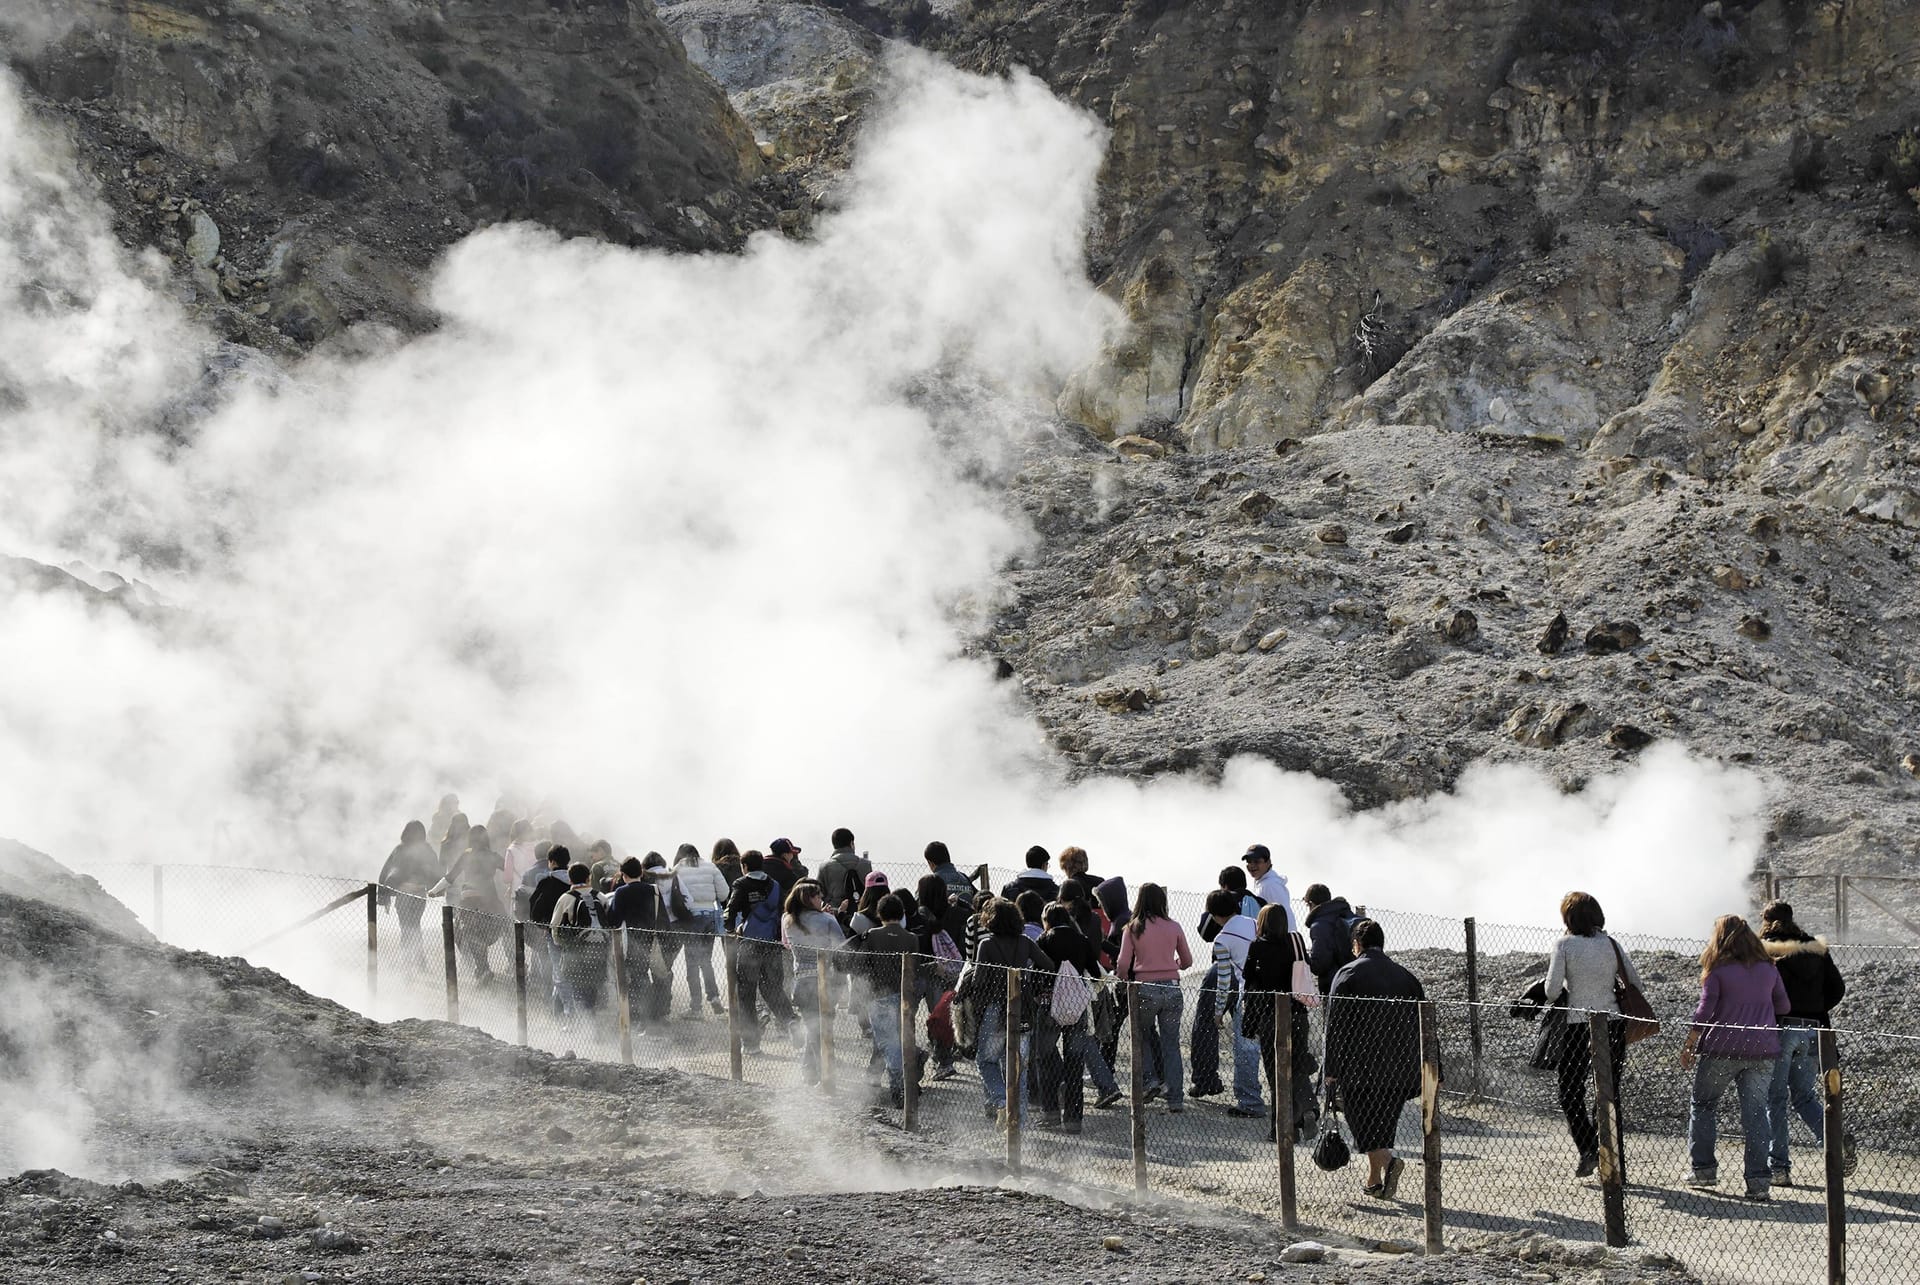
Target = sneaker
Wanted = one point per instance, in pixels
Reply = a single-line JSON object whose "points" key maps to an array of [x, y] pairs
{"points": [[719, 1009], [1781, 1177], [944, 1073], [1757, 1195], [1153, 1092], [993, 1112], [1244, 1113], [1849, 1155], [1307, 1127], [1050, 1120], [1703, 1179], [1395, 1167], [1110, 1098], [1212, 1092], [1176, 1108], [1589, 1161]]}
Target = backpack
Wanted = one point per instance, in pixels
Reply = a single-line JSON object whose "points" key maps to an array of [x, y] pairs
{"points": [[677, 905], [763, 920], [947, 956], [574, 919], [1071, 996]]}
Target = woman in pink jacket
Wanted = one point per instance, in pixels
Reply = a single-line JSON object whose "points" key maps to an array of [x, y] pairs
{"points": [[1154, 952]]}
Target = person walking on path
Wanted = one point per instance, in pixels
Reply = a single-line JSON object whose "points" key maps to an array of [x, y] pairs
{"points": [[1154, 952], [1814, 986], [1586, 963], [411, 869], [705, 889], [1373, 1051], [1734, 1042], [1003, 945], [1269, 972], [814, 937], [753, 917], [879, 951], [1065, 1052], [1233, 934]]}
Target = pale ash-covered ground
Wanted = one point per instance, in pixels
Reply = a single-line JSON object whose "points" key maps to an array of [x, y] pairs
{"points": [[270, 1135]]}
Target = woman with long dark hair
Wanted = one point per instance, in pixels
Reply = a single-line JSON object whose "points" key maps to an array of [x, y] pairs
{"points": [[812, 934], [1734, 1042], [1154, 952]]}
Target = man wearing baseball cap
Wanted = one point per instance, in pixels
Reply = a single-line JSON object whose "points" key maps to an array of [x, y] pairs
{"points": [[783, 863], [1268, 884]]}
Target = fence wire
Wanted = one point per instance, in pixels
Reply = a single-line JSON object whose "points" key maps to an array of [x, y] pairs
{"points": [[1170, 1088]]}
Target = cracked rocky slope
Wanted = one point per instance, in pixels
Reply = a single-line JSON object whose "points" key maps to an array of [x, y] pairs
{"points": [[1447, 321]]}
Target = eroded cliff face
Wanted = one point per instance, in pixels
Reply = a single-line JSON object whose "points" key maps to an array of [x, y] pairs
{"points": [[1453, 319], [302, 162]]}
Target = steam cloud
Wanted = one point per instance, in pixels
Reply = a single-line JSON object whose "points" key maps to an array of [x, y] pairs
{"points": [[689, 542]]}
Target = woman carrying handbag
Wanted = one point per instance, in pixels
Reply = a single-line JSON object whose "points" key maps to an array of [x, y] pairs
{"points": [[1598, 977]]}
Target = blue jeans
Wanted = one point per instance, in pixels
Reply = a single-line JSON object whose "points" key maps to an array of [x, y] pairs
{"points": [[1246, 1063], [991, 1058], [1796, 1075], [1750, 1077], [884, 1014], [1159, 1008]]}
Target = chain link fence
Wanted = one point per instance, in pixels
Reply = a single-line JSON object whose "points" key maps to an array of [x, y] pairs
{"points": [[1182, 1101]]}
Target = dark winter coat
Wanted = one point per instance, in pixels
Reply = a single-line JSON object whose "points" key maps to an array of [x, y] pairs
{"points": [[1330, 934], [1813, 983], [1371, 1041]]}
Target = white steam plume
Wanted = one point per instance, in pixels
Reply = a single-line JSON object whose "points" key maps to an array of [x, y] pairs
{"points": [[670, 538]]}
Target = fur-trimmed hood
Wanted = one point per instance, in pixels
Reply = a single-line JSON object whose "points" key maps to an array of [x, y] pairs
{"points": [[1779, 950]]}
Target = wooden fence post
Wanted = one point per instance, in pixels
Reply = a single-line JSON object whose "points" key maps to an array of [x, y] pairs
{"points": [[453, 964], [159, 900], [373, 946], [1430, 1125], [1137, 1091], [1839, 906], [1835, 1142], [735, 1068], [1015, 1099], [984, 877], [1606, 1121], [520, 980], [909, 1048], [622, 1002], [1474, 1036], [1283, 1108], [823, 991]]}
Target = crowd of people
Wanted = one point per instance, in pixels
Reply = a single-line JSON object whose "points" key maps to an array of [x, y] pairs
{"points": [[934, 956]]}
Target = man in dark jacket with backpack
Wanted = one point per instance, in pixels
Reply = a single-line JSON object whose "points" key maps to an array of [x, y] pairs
{"points": [[579, 943], [752, 915], [635, 908]]}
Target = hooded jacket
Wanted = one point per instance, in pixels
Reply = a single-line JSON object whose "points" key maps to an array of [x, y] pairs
{"points": [[754, 888], [1813, 983], [1330, 930]]}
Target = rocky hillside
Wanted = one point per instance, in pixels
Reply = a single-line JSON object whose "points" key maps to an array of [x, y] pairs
{"points": [[302, 162], [1506, 378]]}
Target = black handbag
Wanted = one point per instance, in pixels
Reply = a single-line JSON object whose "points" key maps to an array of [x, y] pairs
{"points": [[1331, 1151]]}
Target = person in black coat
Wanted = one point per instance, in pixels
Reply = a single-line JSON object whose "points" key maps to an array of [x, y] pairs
{"points": [[1373, 1050], [1814, 986], [1269, 972], [1329, 926], [411, 869]]}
